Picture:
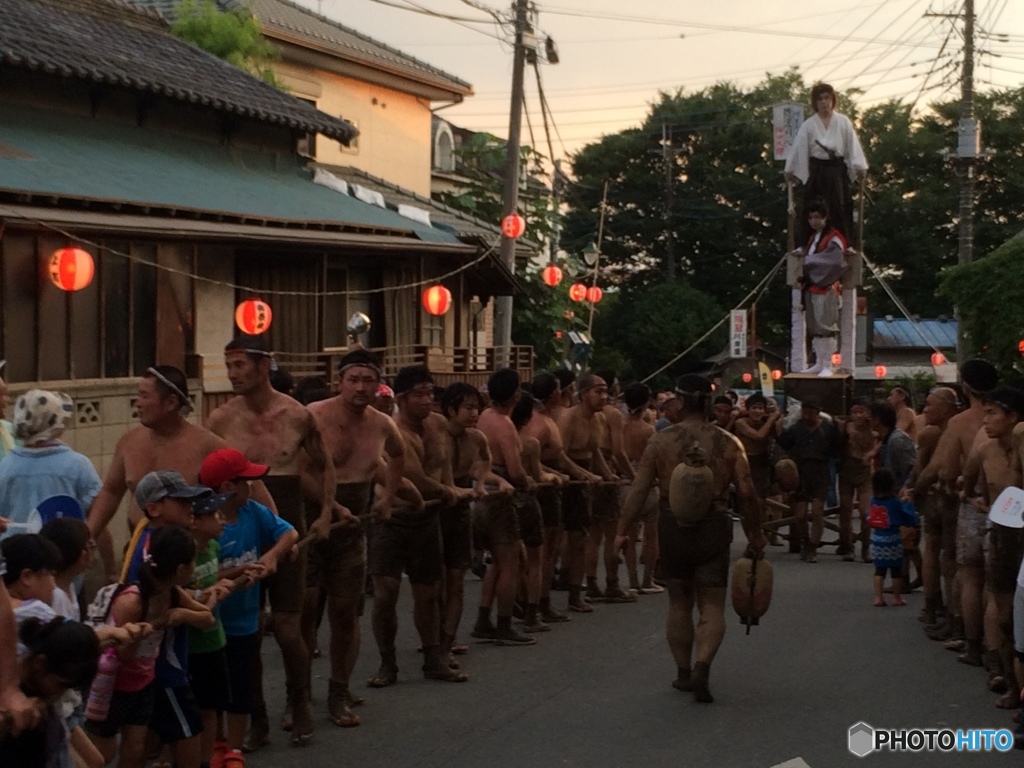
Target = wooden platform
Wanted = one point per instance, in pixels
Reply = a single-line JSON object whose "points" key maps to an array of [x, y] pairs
{"points": [[835, 392]]}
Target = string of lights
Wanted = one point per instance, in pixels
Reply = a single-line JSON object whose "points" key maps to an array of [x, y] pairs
{"points": [[99, 247]]}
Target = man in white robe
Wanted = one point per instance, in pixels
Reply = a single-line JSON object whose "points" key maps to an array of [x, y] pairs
{"points": [[826, 156]]}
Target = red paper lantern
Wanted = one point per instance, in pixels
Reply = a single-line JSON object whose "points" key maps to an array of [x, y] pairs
{"points": [[513, 226], [880, 371], [253, 316], [836, 359], [437, 300], [551, 275], [578, 292], [776, 374], [747, 378], [71, 269], [594, 294], [1020, 347], [938, 359]]}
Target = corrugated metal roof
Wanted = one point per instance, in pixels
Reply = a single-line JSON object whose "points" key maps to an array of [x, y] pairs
{"points": [[109, 41], [115, 162], [900, 333]]}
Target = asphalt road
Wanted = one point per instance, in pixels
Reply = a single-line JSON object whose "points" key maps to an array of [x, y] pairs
{"points": [[596, 692]]}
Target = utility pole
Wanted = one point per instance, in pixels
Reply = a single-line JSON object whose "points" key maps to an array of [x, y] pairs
{"points": [[510, 198], [668, 157], [967, 154]]}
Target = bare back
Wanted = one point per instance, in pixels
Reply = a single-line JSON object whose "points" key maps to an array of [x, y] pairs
{"points": [[635, 434], [957, 442]]}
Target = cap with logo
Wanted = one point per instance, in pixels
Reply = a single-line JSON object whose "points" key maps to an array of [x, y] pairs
{"points": [[166, 484], [227, 464]]}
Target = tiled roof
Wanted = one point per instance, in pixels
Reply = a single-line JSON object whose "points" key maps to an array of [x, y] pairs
{"points": [[295, 20], [900, 333], [114, 42]]}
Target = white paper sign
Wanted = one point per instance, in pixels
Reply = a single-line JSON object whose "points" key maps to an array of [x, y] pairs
{"points": [[738, 333], [786, 121], [1008, 509]]}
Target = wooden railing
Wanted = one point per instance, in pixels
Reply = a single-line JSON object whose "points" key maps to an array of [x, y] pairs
{"points": [[448, 365]]}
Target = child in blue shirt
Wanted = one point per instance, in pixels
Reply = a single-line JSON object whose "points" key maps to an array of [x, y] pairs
{"points": [[887, 515], [253, 541]]}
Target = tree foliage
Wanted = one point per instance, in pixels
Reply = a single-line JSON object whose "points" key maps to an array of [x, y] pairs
{"points": [[729, 220], [990, 295], [232, 35]]}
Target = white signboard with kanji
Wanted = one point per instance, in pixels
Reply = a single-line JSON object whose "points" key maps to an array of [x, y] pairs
{"points": [[738, 333], [786, 121]]}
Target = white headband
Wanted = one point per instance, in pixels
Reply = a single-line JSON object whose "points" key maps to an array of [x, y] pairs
{"points": [[186, 407]]}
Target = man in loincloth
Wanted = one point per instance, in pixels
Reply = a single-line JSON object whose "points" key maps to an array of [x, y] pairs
{"points": [[163, 440], [695, 535], [410, 540], [860, 446], [605, 518], [636, 433], [811, 443], [471, 469], [937, 509], [758, 431], [963, 433], [581, 427], [992, 467], [272, 428], [356, 438], [528, 511], [906, 418], [544, 429], [496, 519]]}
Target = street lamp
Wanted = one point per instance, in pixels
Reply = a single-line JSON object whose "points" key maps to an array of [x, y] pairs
{"points": [[591, 255]]}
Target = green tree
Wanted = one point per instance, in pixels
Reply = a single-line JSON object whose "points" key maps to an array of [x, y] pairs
{"points": [[729, 220], [645, 326], [990, 295], [233, 35]]}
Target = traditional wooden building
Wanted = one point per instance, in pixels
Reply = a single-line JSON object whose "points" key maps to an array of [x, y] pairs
{"points": [[181, 176]]}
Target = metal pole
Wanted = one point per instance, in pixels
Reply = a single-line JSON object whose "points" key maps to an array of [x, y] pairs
{"points": [[510, 198]]}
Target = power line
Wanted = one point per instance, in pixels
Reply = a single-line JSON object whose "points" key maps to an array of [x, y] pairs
{"points": [[717, 27]]}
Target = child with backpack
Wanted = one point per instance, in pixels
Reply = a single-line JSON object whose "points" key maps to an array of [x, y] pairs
{"points": [[886, 517], [167, 563]]}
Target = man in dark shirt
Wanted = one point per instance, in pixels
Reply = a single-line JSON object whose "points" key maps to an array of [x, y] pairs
{"points": [[811, 442]]}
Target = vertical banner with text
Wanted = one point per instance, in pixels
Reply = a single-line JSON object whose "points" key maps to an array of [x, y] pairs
{"points": [[738, 333]]}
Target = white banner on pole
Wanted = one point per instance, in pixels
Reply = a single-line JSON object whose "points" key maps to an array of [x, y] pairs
{"points": [[786, 121], [738, 333]]}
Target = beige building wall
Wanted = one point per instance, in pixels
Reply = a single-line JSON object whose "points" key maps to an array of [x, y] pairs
{"points": [[394, 127], [104, 411]]}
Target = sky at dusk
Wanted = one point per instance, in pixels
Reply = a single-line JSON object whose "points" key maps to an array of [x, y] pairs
{"points": [[615, 56]]}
